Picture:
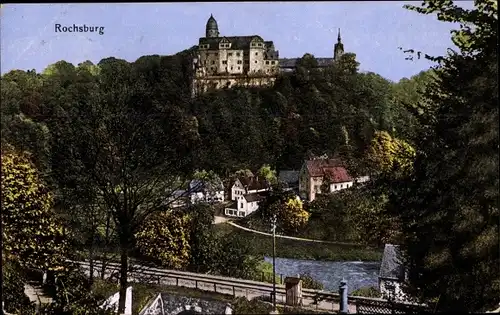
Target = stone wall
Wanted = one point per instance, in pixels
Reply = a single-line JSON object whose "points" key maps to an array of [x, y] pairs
{"points": [[174, 305]]}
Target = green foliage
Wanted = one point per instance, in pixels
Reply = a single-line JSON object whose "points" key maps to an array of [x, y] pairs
{"points": [[387, 154], [235, 258], [370, 292], [308, 282], [288, 209], [164, 238], [31, 233], [15, 299], [203, 239], [73, 294], [449, 205], [265, 171]]}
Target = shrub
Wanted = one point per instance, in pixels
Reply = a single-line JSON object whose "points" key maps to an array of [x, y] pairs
{"points": [[367, 292]]}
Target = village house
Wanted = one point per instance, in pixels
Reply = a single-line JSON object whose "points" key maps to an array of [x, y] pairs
{"points": [[246, 193], [316, 171], [248, 185], [392, 274], [203, 192]]}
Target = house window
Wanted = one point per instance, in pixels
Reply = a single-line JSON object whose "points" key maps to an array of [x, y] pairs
{"points": [[341, 186], [224, 62], [335, 186], [241, 205], [239, 62], [316, 188], [230, 54]]}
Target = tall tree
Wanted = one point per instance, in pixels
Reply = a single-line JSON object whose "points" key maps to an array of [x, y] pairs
{"points": [[129, 147], [450, 205]]}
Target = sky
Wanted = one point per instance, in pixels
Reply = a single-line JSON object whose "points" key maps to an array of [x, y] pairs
{"points": [[371, 30]]}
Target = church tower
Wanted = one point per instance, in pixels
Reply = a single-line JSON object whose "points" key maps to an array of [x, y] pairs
{"points": [[212, 29], [338, 49]]}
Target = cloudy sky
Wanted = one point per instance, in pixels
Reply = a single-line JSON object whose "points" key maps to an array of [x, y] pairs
{"points": [[371, 30]]}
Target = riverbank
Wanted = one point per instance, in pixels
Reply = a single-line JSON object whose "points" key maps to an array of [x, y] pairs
{"points": [[288, 248]]}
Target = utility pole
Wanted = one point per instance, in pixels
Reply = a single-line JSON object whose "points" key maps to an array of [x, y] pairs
{"points": [[274, 260]]}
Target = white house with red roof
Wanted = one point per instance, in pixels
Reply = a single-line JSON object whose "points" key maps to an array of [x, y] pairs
{"points": [[314, 172]]}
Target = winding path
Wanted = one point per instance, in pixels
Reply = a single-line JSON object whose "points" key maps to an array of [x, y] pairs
{"points": [[291, 237]]}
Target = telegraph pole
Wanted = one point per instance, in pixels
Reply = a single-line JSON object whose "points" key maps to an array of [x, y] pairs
{"points": [[274, 260]]}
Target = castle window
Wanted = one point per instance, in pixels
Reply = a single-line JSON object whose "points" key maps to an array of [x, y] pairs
{"points": [[272, 62], [230, 54], [239, 62], [213, 62], [224, 62], [267, 62], [237, 54], [239, 68], [231, 68], [256, 54], [255, 61]]}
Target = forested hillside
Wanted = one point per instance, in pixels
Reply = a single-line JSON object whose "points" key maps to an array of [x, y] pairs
{"points": [[92, 156]]}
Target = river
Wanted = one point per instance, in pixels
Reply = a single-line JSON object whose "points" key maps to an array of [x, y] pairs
{"points": [[358, 274]]}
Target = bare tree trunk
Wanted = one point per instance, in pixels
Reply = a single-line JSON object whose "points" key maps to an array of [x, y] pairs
{"points": [[91, 249], [123, 276], [106, 244]]}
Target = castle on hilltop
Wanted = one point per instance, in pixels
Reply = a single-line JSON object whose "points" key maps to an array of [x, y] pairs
{"points": [[228, 61]]}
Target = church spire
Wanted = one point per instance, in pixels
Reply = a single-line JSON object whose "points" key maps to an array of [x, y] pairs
{"points": [[338, 48]]}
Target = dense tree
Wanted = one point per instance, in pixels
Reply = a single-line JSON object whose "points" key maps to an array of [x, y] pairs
{"points": [[164, 237], [203, 240], [130, 148], [387, 154], [265, 171], [31, 233], [288, 209], [449, 205]]}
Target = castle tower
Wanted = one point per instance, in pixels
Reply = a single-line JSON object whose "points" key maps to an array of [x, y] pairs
{"points": [[338, 49], [212, 28]]}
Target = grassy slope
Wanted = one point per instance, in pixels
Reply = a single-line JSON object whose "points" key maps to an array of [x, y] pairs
{"points": [[286, 248]]}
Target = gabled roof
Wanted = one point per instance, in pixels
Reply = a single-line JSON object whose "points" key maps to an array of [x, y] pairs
{"points": [[316, 167], [237, 42], [254, 183], [253, 197], [391, 268], [337, 174]]}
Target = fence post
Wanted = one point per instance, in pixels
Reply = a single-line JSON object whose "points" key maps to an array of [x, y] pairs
{"points": [[281, 278], [344, 309]]}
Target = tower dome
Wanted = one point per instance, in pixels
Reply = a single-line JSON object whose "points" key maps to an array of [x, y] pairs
{"points": [[212, 28]]}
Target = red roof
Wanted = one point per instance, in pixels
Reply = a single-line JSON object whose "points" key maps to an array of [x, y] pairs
{"points": [[337, 174], [328, 167]]}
